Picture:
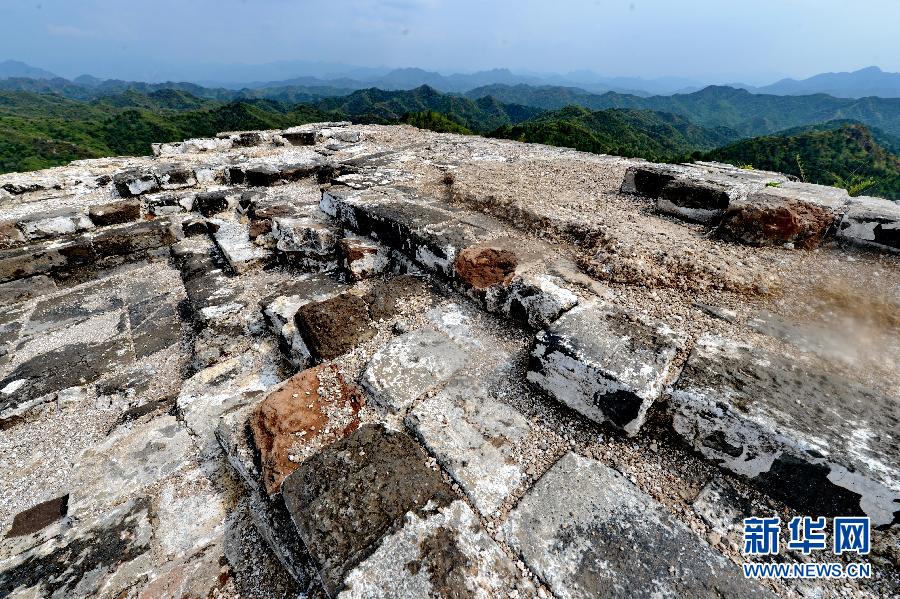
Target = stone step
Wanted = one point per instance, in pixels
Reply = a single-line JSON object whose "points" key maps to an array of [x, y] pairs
{"points": [[164, 176], [586, 531], [192, 146], [225, 386], [55, 223], [233, 239], [261, 206], [270, 518], [309, 243], [309, 411], [214, 299], [300, 165], [605, 363], [695, 192], [279, 313], [329, 328], [762, 208], [520, 279], [361, 258], [799, 214], [821, 443], [168, 203]]}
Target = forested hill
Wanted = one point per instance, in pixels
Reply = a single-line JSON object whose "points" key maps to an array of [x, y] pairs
{"points": [[38, 130], [43, 130], [716, 106], [646, 134], [380, 106], [847, 156]]}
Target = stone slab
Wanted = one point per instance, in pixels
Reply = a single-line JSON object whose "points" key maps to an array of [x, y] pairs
{"points": [[154, 324], [39, 516], [818, 441], [476, 438], [61, 368], [402, 223], [267, 175], [24, 262], [833, 198], [532, 298], [409, 366], [175, 176], [872, 222], [508, 275], [344, 499], [604, 363], [131, 459], [21, 290], [443, 553], [588, 532]]}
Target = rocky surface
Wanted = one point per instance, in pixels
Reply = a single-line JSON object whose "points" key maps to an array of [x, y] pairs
{"points": [[792, 430], [367, 361], [582, 524]]}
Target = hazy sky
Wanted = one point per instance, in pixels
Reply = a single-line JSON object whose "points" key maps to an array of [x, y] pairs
{"points": [[712, 40]]}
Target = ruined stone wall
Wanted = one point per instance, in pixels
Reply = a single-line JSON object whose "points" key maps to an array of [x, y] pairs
{"points": [[377, 361]]}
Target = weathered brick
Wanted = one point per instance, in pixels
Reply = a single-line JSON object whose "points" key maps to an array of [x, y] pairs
{"points": [[311, 410]]}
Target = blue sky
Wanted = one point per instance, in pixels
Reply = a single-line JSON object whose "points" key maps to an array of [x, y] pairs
{"points": [[711, 40]]}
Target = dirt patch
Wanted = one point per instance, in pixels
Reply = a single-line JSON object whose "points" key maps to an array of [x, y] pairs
{"points": [[484, 267]]}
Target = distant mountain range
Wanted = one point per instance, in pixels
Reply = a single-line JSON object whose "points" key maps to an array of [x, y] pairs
{"points": [[342, 79], [870, 81], [14, 68]]}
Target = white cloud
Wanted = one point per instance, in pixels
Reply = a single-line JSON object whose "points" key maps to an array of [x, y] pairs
{"points": [[67, 31]]}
